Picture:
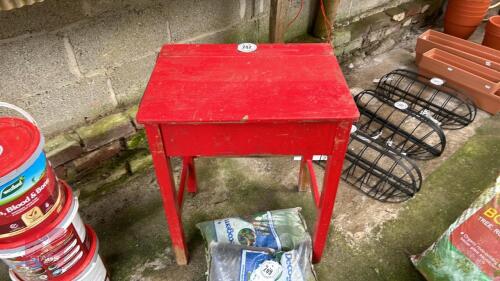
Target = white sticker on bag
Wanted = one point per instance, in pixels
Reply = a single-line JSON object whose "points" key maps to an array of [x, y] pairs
{"points": [[267, 271]]}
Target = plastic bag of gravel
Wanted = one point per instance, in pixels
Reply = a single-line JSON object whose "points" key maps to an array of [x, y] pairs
{"points": [[278, 230], [229, 262], [470, 248]]}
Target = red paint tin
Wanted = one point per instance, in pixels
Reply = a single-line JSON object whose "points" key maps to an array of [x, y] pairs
{"points": [[49, 250], [42, 204], [90, 269], [29, 193]]}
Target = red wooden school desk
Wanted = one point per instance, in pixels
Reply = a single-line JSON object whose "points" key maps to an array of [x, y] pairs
{"points": [[213, 100]]}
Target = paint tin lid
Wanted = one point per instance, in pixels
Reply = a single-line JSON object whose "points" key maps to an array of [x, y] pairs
{"points": [[20, 145]]}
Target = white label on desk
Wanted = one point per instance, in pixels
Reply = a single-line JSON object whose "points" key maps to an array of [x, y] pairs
{"points": [[247, 47]]}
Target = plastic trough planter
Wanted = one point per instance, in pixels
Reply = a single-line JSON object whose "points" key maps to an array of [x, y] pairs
{"points": [[429, 97], [378, 171], [477, 53], [478, 82], [395, 125]]}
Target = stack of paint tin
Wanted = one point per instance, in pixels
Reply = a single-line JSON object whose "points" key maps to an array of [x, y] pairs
{"points": [[42, 236]]}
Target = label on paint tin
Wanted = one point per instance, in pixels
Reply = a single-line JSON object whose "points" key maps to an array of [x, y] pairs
{"points": [[24, 182], [60, 254], [31, 208]]}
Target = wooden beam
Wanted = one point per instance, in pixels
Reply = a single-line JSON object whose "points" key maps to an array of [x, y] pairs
{"points": [[277, 21]]}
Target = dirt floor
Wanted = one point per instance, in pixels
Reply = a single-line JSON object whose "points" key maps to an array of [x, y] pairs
{"points": [[369, 240]]}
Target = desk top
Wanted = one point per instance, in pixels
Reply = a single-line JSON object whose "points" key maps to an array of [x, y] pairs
{"points": [[219, 84]]}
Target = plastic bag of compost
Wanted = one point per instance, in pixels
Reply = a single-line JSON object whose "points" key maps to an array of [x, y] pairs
{"points": [[229, 262], [279, 230], [470, 248]]}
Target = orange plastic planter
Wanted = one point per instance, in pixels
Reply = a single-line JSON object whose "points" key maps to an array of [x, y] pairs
{"points": [[471, 51], [482, 84], [492, 33], [463, 16]]}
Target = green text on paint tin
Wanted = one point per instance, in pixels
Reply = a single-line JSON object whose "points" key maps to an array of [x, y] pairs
{"points": [[11, 189]]}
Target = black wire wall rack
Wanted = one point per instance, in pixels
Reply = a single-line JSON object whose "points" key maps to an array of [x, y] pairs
{"points": [[393, 124], [429, 97], [379, 171]]}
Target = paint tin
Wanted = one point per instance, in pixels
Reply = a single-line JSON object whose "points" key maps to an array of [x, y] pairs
{"points": [[51, 250], [91, 269], [40, 205], [29, 193]]}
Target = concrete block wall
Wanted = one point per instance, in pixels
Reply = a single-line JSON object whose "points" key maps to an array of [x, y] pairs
{"points": [[378, 27], [71, 62], [80, 67]]}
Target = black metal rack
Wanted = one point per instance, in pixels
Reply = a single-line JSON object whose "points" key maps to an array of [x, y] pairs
{"points": [[429, 97], [393, 124], [379, 171]]}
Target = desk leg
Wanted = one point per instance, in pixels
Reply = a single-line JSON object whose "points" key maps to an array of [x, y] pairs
{"points": [[167, 188], [191, 181], [333, 172], [304, 175]]}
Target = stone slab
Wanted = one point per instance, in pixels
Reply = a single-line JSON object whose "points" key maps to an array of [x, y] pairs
{"points": [[140, 162], [106, 130], [358, 29], [377, 21], [61, 172], [353, 45], [94, 158], [115, 39], [396, 13], [132, 114], [384, 47], [63, 148], [137, 141], [413, 8]]}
